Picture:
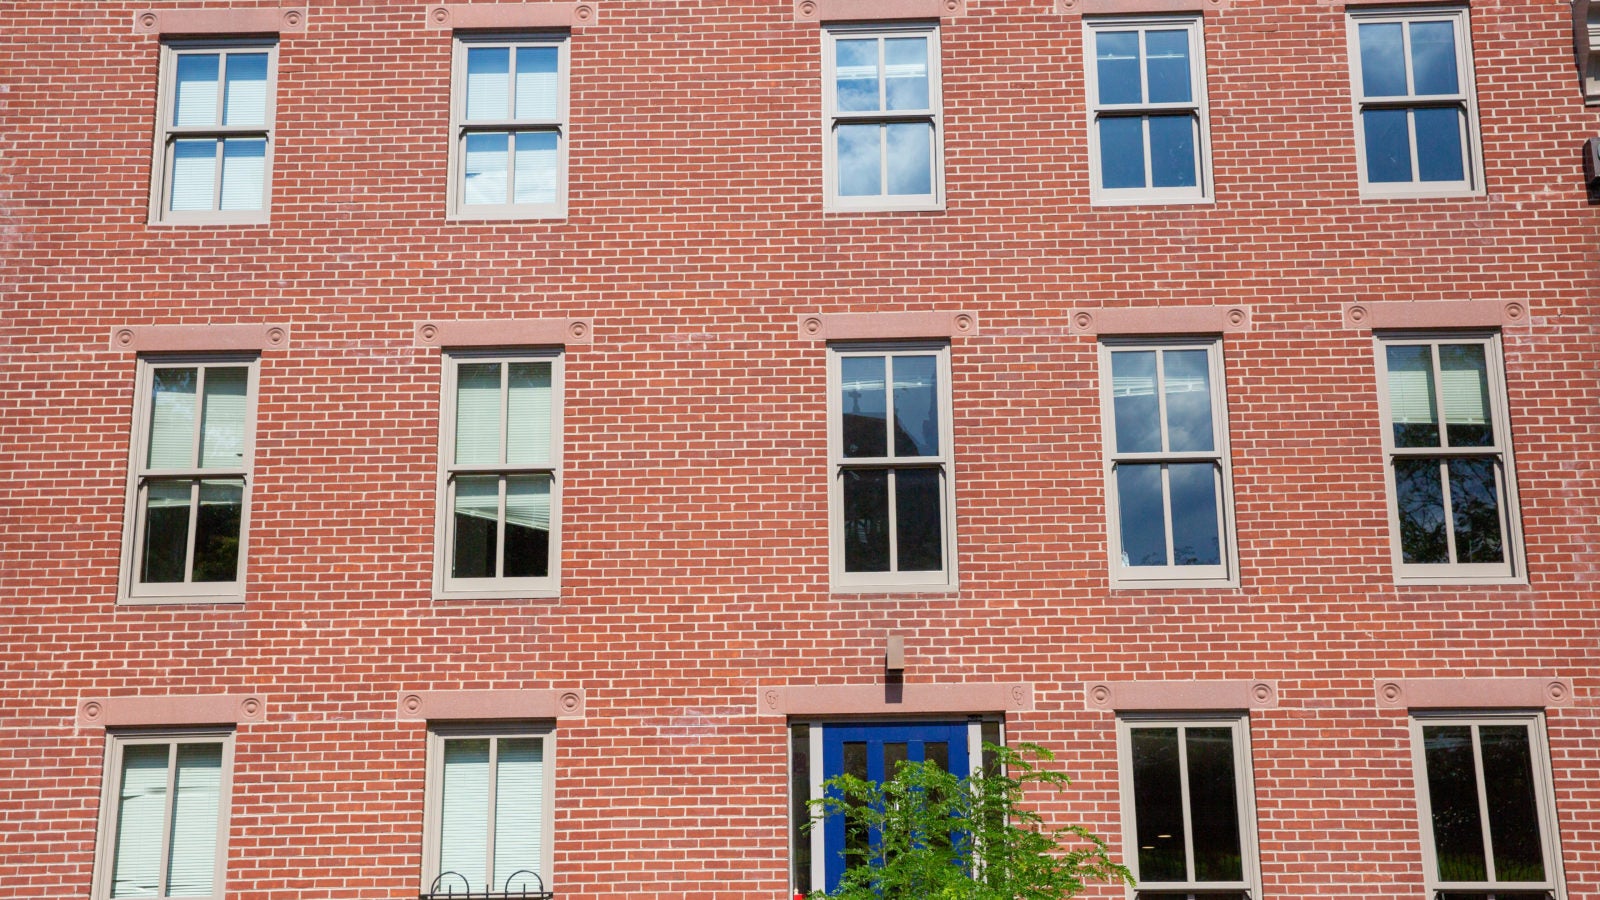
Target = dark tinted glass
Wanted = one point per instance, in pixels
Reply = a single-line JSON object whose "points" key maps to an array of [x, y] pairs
{"points": [[866, 520], [1453, 798], [1214, 805], [216, 532], [864, 406], [1194, 514], [1158, 804], [1117, 66], [1388, 145], [166, 531], [916, 505], [1439, 156], [916, 406], [1167, 66], [799, 806], [1433, 58], [1475, 508], [1420, 497], [1122, 152], [1513, 807], [1143, 519]]}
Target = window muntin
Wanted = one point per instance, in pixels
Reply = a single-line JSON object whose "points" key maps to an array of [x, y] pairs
{"points": [[490, 807], [499, 515], [883, 143], [1169, 486], [190, 486], [1486, 808], [214, 131], [508, 144], [1188, 806], [893, 491], [1148, 134], [164, 815], [1415, 110], [1452, 492]]}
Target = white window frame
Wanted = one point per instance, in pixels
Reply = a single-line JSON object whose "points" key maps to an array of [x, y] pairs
{"points": [[833, 117], [943, 579], [1198, 107], [460, 127], [1225, 574], [167, 134], [111, 803], [1512, 570], [1544, 799], [1465, 100], [131, 589], [1244, 788], [446, 586], [433, 803]]}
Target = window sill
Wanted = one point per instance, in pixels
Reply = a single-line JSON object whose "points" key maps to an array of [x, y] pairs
{"points": [[544, 214], [1169, 584], [210, 221], [902, 588], [176, 599], [455, 596], [1422, 193], [1103, 200], [1461, 581], [835, 207]]}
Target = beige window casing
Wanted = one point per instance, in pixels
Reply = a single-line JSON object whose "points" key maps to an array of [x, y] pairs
{"points": [[892, 580], [1513, 570], [460, 127], [131, 589], [166, 134], [445, 586], [111, 804], [433, 802]]}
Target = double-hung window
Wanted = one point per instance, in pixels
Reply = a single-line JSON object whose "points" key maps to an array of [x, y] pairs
{"points": [[1148, 135], [883, 142], [189, 492], [508, 130], [488, 812], [1188, 807], [214, 131], [1415, 110], [499, 523], [1168, 482], [1486, 807], [164, 815], [893, 491], [1452, 490]]}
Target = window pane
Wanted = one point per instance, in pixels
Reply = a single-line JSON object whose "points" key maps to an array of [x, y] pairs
{"points": [[1421, 511], [1134, 406], [216, 536], [245, 95], [537, 164], [196, 803], [195, 91], [866, 520], [1116, 62], [1411, 399], [464, 805], [1194, 514], [1513, 807], [1143, 519], [244, 173], [1464, 378], [1186, 375], [172, 410], [223, 418], [1158, 804], [1383, 59], [1439, 156], [1388, 145], [477, 515], [166, 532], [1214, 805], [916, 406], [1167, 66], [519, 813], [527, 526], [529, 415], [1453, 798], [1121, 152], [918, 520], [860, 160], [1172, 157], [799, 808], [856, 75], [906, 72], [194, 174], [1433, 58], [538, 83], [478, 414], [488, 83], [1475, 509], [141, 819], [910, 157], [863, 406], [485, 171]]}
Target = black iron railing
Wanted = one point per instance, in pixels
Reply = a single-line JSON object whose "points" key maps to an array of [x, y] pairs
{"points": [[455, 886]]}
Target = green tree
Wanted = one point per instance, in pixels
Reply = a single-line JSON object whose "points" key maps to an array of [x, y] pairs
{"points": [[926, 834]]}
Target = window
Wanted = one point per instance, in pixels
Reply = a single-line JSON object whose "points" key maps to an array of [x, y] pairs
{"points": [[1452, 490], [1189, 807], [498, 517], [190, 487], [1415, 113], [893, 494], [508, 144], [1148, 136], [489, 812], [214, 131], [164, 815], [1169, 489], [883, 143], [1486, 807]]}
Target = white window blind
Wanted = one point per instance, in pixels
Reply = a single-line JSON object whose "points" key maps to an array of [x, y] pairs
{"points": [[1464, 379], [142, 805], [223, 418], [478, 414], [463, 826], [519, 809], [197, 787], [244, 173], [538, 83], [188, 820], [245, 97], [195, 102], [488, 83], [1411, 399], [172, 419]]}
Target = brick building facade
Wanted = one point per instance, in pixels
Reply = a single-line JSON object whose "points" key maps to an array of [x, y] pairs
{"points": [[640, 404]]}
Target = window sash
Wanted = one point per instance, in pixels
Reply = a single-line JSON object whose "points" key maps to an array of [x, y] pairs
{"points": [[541, 200], [164, 834], [240, 185], [472, 826], [885, 198]]}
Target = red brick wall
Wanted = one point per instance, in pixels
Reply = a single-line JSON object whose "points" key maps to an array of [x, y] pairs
{"points": [[695, 510]]}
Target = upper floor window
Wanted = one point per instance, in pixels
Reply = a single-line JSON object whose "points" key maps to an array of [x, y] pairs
{"points": [[1148, 135], [488, 812], [1452, 487], [882, 120], [508, 129], [214, 131], [188, 494], [1415, 109]]}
